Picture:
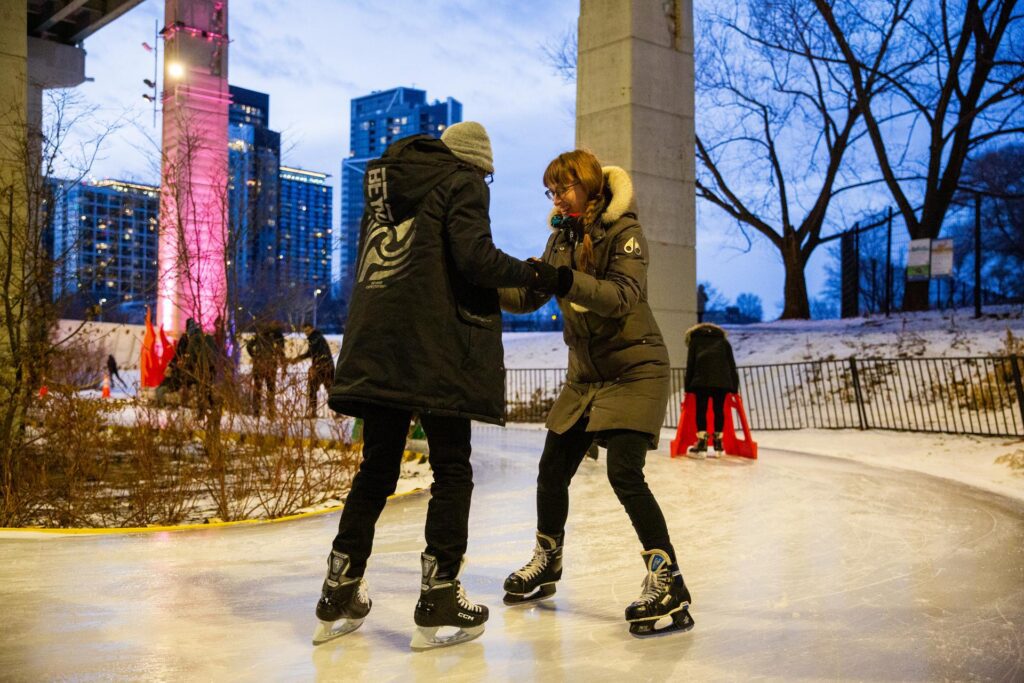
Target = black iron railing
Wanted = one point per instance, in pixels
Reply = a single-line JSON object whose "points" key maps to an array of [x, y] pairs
{"points": [[980, 395]]}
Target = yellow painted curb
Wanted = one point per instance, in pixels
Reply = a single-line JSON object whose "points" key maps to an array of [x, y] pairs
{"points": [[92, 531]]}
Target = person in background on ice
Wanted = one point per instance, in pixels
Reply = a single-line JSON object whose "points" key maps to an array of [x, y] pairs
{"points": [[321, 368], [423, 336], [112, 370], [702, 302], [617, 386], [710, 375], [266, 350]]}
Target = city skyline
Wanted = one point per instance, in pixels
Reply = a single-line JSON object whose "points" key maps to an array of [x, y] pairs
{"points": [[493, 62]]}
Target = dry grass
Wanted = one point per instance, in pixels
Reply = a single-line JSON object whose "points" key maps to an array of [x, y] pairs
{"points": [[93, 462]]}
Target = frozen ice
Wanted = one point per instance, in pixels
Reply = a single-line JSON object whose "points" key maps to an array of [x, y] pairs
{"points": [[801, 568]]}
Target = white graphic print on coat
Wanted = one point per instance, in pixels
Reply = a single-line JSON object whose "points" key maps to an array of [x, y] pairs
{"points": [[387, 253], [387, 247]]}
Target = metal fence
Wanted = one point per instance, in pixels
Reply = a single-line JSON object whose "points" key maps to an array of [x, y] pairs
{"points": [[867, 269], [981, 396]]}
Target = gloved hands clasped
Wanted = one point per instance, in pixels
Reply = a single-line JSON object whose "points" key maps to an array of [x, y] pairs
{"points": [[551, 280]]}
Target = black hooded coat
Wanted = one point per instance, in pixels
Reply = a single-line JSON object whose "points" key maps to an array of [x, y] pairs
{"points": [[424, 327]]}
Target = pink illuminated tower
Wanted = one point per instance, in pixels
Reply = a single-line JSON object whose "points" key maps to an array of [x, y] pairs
{"points": [[194, 175]]}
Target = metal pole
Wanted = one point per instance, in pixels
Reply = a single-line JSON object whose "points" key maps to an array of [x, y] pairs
{"points": [[156, 52], [856, 249], [977, 254], [888, 264]]}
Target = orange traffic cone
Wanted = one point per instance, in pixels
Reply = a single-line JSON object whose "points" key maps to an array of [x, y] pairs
{"points": [[106, 384]]}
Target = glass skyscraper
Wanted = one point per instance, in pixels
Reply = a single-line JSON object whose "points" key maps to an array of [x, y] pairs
{"points": [[105, 246], [254, 159], [304, 230], [378, 120]]}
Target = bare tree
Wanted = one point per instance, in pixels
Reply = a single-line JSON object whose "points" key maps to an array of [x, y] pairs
{"points": [[963, 90], [778, 120], [28, 314]]}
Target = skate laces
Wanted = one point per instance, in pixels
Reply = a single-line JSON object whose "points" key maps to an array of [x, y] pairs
{"points": [[654, 584], [464, 602], [536, 564]]}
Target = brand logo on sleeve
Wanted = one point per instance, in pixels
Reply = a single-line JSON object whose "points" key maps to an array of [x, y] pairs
{"points": [[632, 247]]}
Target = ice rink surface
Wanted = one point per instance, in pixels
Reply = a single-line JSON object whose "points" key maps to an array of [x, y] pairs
{"points": [[801, 568]]}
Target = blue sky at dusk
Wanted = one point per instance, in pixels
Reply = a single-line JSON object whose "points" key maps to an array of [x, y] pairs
{"points": [[313, 57]]}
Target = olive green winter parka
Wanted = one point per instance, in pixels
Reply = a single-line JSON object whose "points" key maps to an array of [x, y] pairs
{"points": [[618, 370]]}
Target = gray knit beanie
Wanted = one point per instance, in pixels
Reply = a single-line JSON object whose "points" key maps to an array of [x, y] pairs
{"points": [[468, 141]]}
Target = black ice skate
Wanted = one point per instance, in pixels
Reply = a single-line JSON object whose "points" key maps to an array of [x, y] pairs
{"points": [[443, 602], [344, 602], [699, 450], [716, 444], [664, 595], [536, 580]]}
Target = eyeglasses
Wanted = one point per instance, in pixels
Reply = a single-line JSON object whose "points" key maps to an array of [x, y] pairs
{"points": [[489, 178], [560, 191]]}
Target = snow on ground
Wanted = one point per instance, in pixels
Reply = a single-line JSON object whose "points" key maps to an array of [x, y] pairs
{"points": [[932, 334], [969, 460]]}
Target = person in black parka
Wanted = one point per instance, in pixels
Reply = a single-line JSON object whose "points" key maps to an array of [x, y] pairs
{"points": [[423, 336], [710, 374]]}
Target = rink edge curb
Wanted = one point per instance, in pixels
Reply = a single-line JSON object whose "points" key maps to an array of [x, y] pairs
{"points": [[96, 531]]}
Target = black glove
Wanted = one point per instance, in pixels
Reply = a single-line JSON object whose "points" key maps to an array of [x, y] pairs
{"points": [[564, 280], [546, 281]]}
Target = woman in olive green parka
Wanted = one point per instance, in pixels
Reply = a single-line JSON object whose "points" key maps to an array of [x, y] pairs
{"points": [[617, 386]]}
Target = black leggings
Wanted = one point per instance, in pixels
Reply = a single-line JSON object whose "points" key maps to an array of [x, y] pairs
{"points": [[717, 397], [627, 452]]}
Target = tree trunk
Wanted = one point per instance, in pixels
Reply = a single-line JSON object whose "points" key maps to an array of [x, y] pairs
{"points": [[796, 305], [915, 294]]}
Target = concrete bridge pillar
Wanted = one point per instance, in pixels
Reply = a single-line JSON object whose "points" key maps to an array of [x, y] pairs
{"points": [[634, 109]]}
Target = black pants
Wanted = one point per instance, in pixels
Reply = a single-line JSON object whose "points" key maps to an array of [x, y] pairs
{"points": [[260, 378], [717, 397], [318, 376], [447, 527], [627, 452]]}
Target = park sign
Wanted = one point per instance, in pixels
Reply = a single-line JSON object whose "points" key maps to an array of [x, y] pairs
{"points": [[928, 259], [919, 259], [942, 258]]}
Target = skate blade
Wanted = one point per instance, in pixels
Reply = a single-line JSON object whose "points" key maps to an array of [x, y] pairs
{"points": [[426, 637], [543, 592], [329, 630], [681, 623]]}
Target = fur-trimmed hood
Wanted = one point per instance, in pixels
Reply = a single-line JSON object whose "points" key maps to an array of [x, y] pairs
{"points": [[619, 195], [709, 329]]}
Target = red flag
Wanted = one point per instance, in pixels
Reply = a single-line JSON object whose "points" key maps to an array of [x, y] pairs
{"points": [[166, 354]]}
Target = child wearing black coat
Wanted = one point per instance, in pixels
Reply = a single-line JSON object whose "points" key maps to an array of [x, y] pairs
{"points": [[710, 375]]}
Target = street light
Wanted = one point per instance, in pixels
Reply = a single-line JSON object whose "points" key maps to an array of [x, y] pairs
{"points": [[102, 301], [316, 293]]}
